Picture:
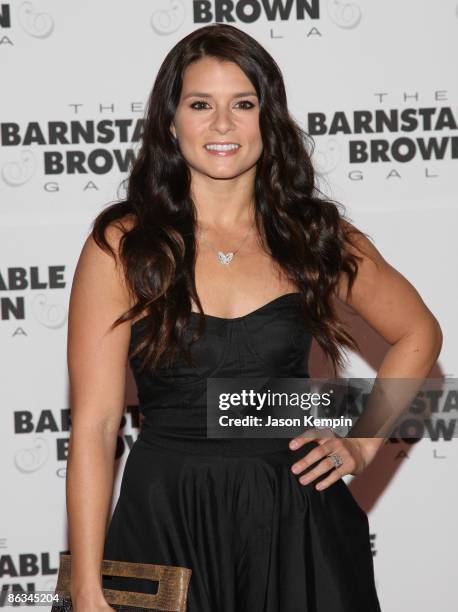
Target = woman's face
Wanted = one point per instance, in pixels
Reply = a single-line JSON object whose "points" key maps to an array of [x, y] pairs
{"points": [[217, 119]]}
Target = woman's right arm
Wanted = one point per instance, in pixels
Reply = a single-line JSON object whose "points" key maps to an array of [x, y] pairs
{"points": [[97, 359]]}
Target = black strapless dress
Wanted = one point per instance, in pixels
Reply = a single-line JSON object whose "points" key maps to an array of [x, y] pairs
{"points": [[231, 509]]}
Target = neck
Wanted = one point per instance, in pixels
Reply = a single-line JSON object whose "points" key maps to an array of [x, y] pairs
{"points": [[223, 203]]}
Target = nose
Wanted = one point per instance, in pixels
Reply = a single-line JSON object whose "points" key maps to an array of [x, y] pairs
{"points": [[222, 121]]}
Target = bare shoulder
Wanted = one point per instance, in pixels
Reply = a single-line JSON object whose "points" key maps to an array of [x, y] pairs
{"points": [[113, 235], [102, 259], [381, 294]]}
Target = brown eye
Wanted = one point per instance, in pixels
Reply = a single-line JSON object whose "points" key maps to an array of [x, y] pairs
{"points": [[193, 105], [251, 105]]}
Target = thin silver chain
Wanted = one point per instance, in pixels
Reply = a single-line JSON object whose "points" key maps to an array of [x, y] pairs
{"points": [[227, 257]]}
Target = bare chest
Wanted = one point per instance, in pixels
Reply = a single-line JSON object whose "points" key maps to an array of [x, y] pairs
{"points": [[251, 279]]}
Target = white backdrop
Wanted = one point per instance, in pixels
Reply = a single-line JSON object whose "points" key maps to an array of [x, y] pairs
{"points": [[78, 63]]}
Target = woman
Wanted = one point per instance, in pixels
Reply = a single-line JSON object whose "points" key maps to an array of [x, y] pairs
{"points": [[223, 260]]}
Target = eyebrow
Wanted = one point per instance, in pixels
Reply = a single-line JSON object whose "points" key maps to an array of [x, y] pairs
{"points": [[200, 94]]}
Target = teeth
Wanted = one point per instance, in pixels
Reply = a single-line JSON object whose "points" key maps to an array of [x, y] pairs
{"points": [[221, 147]]}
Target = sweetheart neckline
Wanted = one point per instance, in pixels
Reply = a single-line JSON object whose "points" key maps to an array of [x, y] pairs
{"points": [[239, 318]]}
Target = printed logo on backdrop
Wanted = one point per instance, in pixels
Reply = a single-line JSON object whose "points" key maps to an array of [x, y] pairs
{"points": [[27, 572], [27, 297], [88, 148], [43, 438], [28, 18], [170, 15], [443, 404], [386, 139]]}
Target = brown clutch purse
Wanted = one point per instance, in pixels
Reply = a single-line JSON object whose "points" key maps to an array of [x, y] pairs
{"points": [[171, 594]]}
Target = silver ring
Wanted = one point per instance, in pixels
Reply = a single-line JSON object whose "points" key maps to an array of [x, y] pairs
{"points": [[336, 459]]}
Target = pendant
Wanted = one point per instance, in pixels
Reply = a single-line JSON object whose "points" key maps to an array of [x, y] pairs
{"points": [[225, 258]]}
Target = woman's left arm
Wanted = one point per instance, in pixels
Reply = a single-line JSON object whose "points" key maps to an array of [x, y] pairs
{"points": [[391, 305]]}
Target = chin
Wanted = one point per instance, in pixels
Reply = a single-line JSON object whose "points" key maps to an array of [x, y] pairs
{"points": [[222, 173]]}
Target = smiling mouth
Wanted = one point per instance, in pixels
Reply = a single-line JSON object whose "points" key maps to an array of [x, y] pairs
{"points": [[230, 146]]}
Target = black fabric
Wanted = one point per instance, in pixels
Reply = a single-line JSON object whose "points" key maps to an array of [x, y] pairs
{"points": [[232, 510]]}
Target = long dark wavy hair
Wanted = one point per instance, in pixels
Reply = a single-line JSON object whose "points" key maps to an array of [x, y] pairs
{"points": [[304, 233]]}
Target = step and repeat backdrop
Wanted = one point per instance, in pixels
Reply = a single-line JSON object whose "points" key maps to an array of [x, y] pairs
{"points": [[374, 84]]}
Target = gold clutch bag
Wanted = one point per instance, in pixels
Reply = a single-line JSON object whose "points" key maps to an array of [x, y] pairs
{"points": [[171, 594]]}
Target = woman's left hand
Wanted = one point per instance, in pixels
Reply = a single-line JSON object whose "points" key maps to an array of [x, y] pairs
{"points": [[355, 453]]}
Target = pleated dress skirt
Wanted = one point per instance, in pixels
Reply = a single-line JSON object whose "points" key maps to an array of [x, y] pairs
{"points": [[255, 538]]}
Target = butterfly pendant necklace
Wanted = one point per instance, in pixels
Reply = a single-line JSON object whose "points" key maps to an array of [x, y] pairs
{"points": [[226, 258]]}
